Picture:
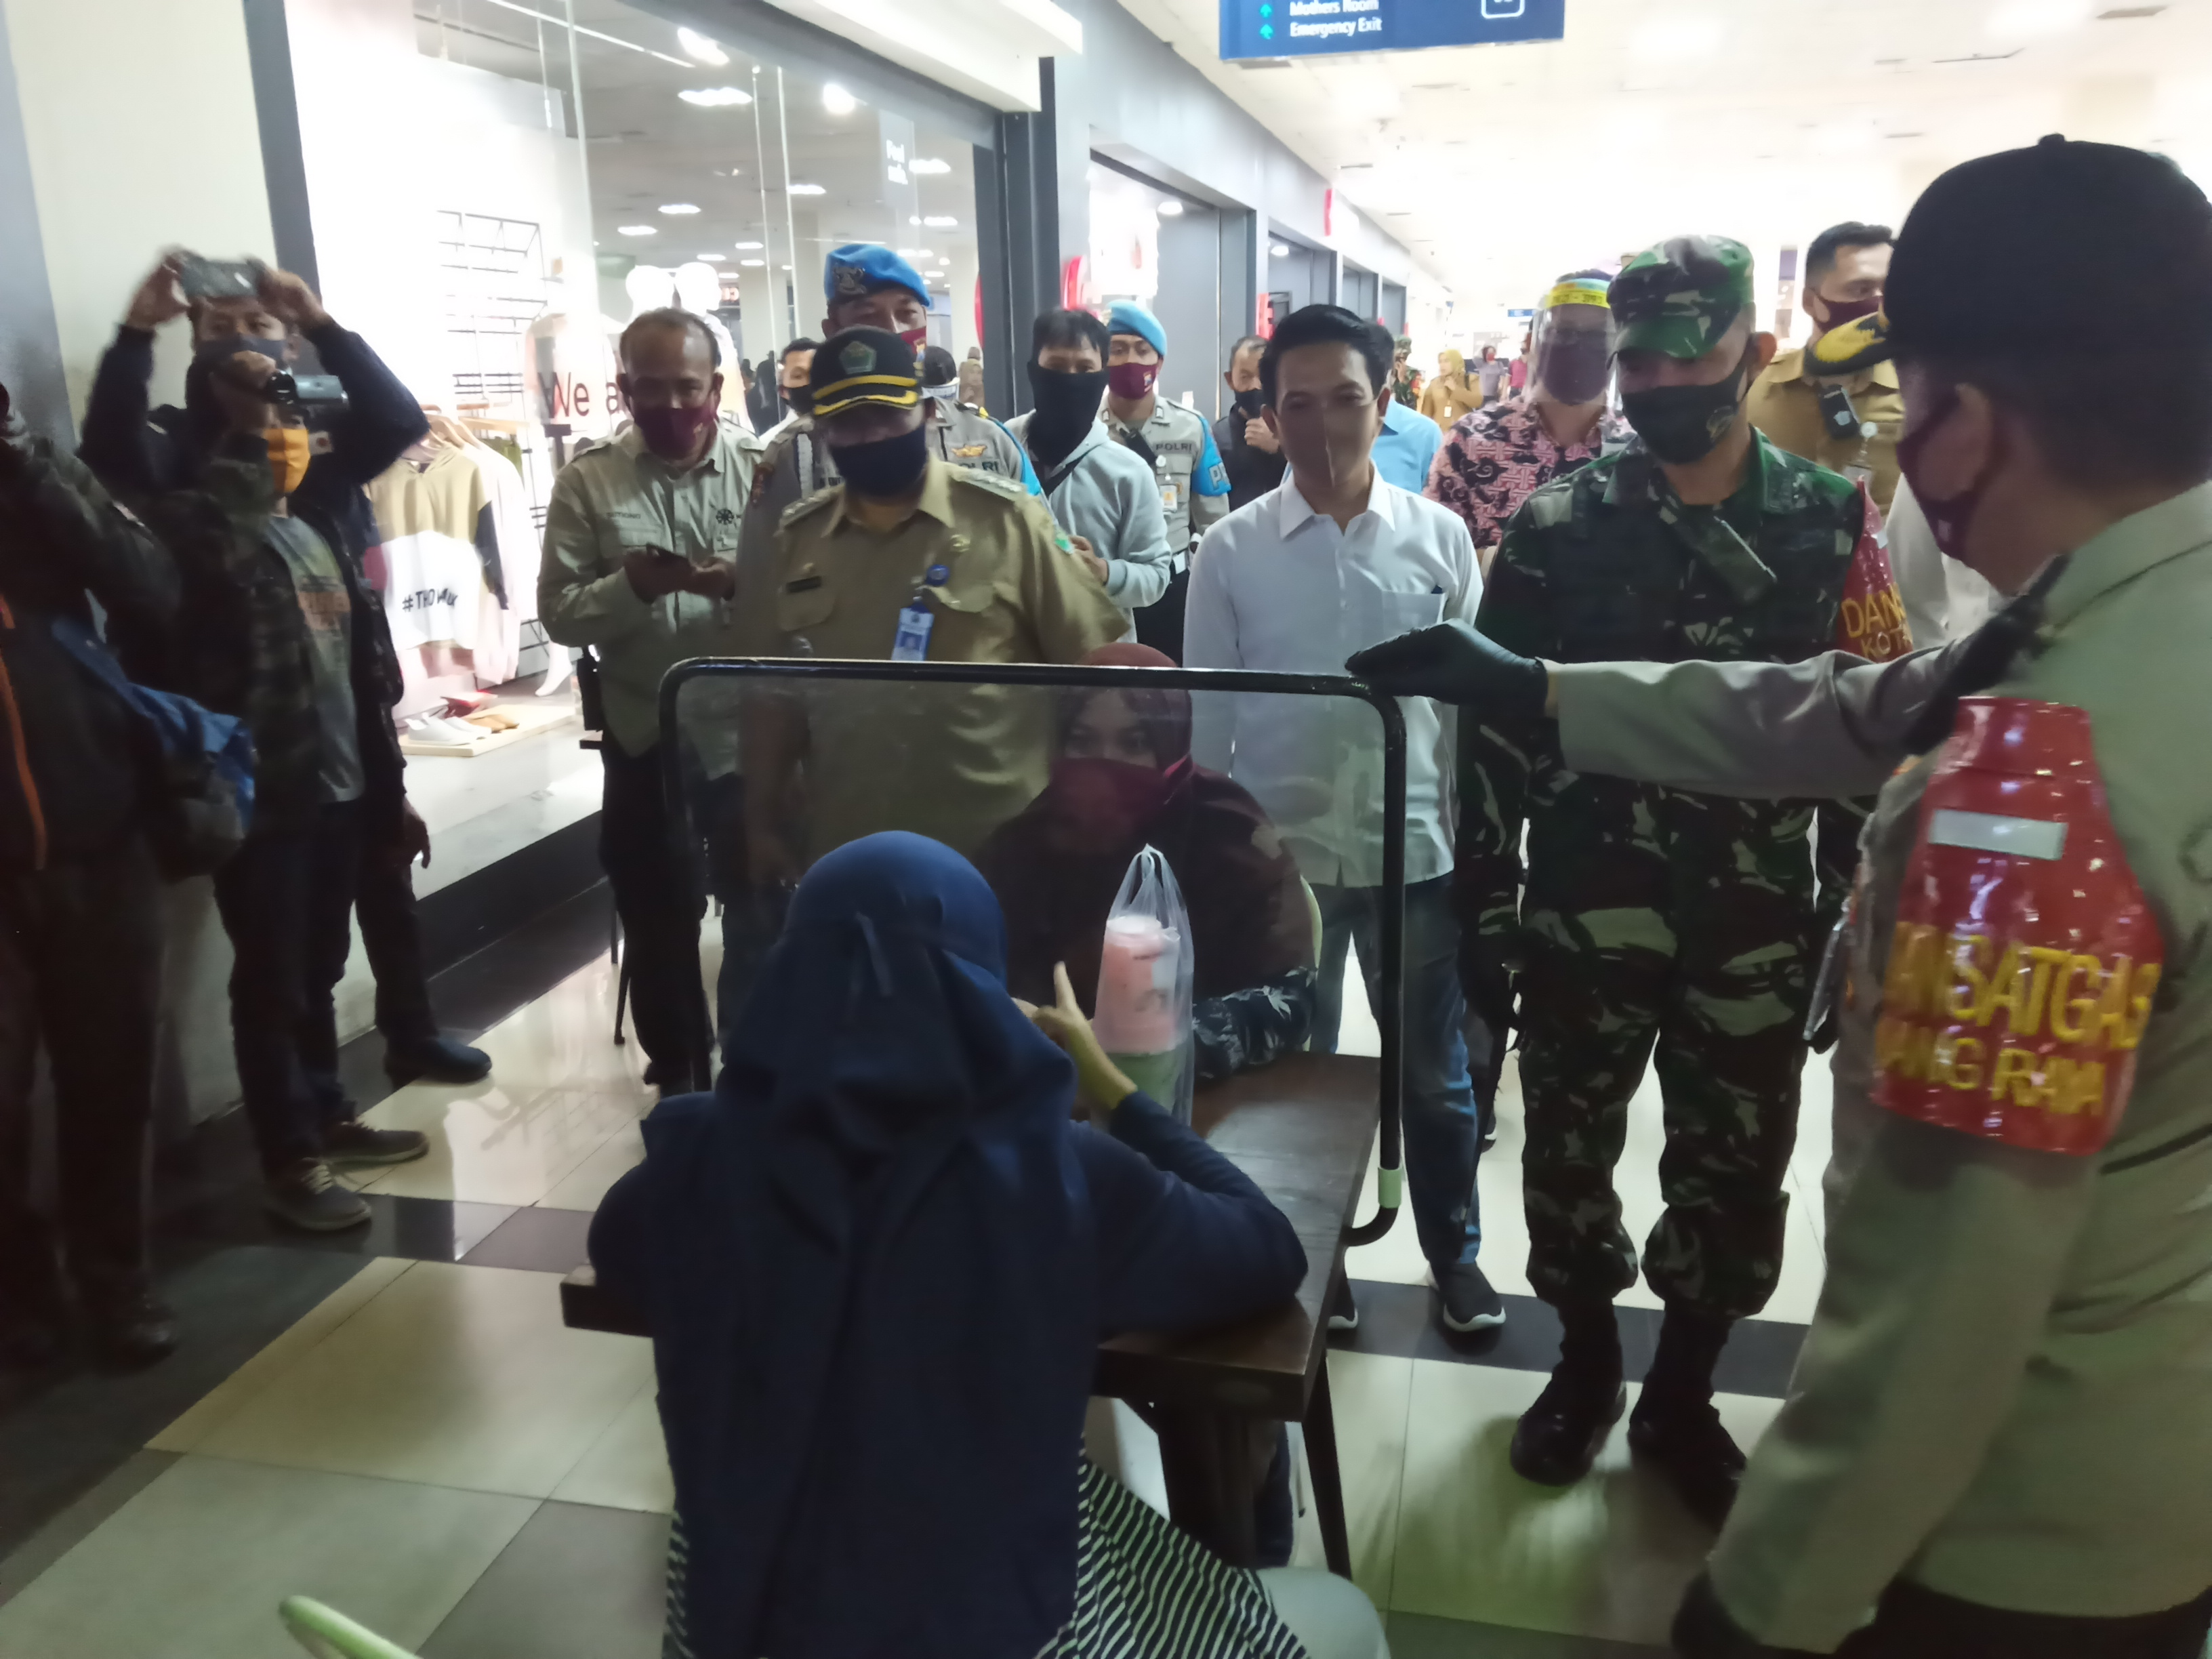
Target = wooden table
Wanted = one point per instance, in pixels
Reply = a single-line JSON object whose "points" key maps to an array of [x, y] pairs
{"points": [[1302, 1129]]}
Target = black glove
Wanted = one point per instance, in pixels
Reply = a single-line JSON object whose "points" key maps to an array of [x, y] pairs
{"points": [[1453, 663]]}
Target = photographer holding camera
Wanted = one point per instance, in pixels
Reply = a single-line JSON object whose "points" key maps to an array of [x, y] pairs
{"points": [[266, 517]]}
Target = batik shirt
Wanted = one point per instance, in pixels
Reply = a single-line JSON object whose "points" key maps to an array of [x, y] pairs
{"points": [[1496, 458]]}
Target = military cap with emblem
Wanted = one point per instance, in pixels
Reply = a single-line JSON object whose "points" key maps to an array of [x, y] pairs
{"points": [[863, 366], [1681, 296], [862, 268]]}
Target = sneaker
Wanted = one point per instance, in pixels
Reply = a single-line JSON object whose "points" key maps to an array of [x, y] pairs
{"points": [[1343, 1311], [130, 1328], [306, 1195], [1466, 1302], [1558, 1438], [1699, 1458], [440, 1058], [351, 1141]]}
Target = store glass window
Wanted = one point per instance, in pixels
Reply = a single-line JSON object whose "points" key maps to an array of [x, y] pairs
{"points": [[1163, 250]]}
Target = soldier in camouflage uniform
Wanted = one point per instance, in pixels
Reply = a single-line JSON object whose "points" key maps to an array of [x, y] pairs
{"points": [[1652, 916]]}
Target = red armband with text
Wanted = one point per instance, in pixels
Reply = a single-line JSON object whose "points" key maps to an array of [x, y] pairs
{"points": [[2025, 960]]}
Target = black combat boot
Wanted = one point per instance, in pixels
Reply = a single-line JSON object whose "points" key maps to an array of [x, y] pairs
{"points": [[1674, 1425], [1558, 1438]]}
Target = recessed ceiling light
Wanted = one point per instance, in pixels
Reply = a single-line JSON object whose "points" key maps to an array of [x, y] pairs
{"points": [[2025, 20], [752, 265], [807, 190], [639, 230], [837, 101], [701, 48], [745, 247], [914, 218], [2127, 13], [679, 207], [939, 221], [1170, 209], [715, 97], [928, 164], [1279, 250], [711, 258]]}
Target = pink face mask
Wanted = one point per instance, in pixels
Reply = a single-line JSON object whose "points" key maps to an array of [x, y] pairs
{"points": [[1849, 310], [1130, 381], [675, 433], [1949, 517], [1108, 801]]}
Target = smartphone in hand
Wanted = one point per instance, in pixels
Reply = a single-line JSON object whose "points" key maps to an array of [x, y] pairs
{"points": [[218, 279]]}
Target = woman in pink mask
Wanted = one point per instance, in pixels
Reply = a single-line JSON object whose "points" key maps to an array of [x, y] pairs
{"points": [[1123, 779]]}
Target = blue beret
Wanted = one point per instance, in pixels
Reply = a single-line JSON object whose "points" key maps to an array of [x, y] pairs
{"points": [[1127, 316], [860, 268]]}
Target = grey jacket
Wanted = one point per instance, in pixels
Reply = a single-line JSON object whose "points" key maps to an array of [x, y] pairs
{"points": [[1109, 497], [2004, 1394]]}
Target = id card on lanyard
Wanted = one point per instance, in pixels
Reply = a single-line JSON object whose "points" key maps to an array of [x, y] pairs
{"points": [[911, 643]]}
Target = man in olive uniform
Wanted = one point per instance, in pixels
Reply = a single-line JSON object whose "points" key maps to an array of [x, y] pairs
{"points": [[1653, 916], [1998, 1440], [905, 559]]}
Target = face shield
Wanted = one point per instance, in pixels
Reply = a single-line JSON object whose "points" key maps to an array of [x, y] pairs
{"points": [[1572, 345]]}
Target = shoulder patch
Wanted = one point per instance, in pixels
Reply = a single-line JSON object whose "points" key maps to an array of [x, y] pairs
{"points": [[799, 509], [995, 483]]}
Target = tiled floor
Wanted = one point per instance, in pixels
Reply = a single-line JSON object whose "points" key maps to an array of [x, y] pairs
{"points": [[413, 1436]]}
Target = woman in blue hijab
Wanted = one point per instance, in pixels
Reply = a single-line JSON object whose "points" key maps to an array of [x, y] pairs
{"points": [[878, 1262]]}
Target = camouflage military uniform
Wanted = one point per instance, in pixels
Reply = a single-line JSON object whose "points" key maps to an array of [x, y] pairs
{"points": [[1653, 914], [1653, 917]]}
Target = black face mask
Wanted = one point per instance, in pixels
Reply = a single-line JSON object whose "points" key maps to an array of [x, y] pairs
{"points": [[1683, 423], [1573, 367], [1249, 403], [887, 468], [800, 397], [1066, 407]]}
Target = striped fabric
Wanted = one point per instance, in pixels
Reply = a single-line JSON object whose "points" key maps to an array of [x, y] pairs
{"points": [[1143, 1591]]}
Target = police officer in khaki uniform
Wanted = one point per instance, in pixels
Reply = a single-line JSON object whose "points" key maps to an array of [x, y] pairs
{"points": [[965, 436], [1998, 1440], [1847, 422], [908, 559]]}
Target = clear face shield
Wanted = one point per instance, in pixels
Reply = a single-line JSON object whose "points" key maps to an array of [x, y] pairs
{"points": [[1572, 345]]}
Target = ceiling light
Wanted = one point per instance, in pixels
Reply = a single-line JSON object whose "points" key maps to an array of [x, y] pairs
{"points": [[745, 247], [1677, 39], [752, 265], [1279, 250], [679, 207], [639, 230], [837, 101], [939, 221], [807, 190], [1169, 208], [2025, 20], [715, 97], [928, 164], [914, 218], [701, 48], [711, 258]]}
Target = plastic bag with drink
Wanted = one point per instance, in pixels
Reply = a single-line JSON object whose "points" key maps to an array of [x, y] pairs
{"points": [[1145, 973]]}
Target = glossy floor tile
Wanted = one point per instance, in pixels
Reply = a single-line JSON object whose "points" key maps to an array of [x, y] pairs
{"points": [[1372, 1395], [461, 1376], [583, 1187], [1416, 1635], [503, 1141], [627, 1467], [194, 1565], [1607, 1558], [575, 1584]]}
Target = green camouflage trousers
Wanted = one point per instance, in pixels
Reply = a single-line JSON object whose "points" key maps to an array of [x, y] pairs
{"points": [[1725, 1012]]}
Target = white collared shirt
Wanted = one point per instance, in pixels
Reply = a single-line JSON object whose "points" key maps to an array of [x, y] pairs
{"points": [[1278, 587]]}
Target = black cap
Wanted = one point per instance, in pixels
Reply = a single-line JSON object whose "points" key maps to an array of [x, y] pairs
{"points": [[863, 366], [2061, 244]]}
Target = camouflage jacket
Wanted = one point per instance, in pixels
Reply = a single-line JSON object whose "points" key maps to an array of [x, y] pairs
{"points": [[1605, 565]]}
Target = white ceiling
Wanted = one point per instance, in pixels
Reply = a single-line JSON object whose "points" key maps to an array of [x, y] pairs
{"points": [[1502, 166]]}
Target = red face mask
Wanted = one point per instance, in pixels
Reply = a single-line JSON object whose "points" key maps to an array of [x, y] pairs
{"points": [[675, 433], [916, 337], [1130, 381], [1849, 310], [1110, 802], [1948, 519]]}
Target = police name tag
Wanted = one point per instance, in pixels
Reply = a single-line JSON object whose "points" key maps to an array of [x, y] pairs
{"points": [[911, 643]]}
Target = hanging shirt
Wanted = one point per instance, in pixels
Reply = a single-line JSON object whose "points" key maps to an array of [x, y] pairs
{"points": [[440, 549]]}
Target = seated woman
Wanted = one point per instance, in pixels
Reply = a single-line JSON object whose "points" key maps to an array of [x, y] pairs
{"points": [[1123, 779], [878, 1262]]}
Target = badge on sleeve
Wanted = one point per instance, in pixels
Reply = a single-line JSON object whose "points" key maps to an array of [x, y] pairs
{"points": [[2025, 961]]}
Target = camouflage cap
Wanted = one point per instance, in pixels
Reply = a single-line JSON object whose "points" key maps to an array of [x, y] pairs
{"points": [[1681, 296]]}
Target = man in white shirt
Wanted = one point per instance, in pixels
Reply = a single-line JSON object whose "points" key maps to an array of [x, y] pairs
{"points": [[1337, 557]]}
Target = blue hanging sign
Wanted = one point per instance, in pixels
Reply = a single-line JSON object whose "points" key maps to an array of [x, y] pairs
{"points": [[1310, 28]]}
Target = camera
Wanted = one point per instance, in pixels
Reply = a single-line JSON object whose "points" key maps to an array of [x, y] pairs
{"points": [[312, 394]]}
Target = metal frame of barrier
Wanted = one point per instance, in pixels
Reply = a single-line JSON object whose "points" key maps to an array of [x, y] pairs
{"points": [[1390, 1177]]}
